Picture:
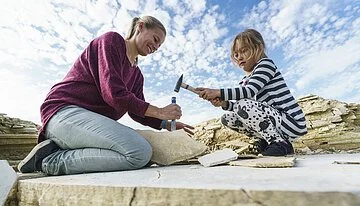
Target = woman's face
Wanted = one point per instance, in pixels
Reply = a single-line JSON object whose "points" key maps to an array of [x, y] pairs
{"points": [[148, 40]]}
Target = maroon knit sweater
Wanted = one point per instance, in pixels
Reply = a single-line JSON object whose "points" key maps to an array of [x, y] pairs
{"points": [[101, 80]]}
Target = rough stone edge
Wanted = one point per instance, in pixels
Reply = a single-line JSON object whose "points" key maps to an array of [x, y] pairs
{"points": [[51, 194], [12, 199]]}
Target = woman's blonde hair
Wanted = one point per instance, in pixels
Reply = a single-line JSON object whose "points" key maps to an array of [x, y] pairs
{"points": [[149, 22], [252, 40]]}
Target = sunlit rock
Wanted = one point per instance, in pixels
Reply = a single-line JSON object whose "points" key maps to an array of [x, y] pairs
{"points": [[17, 138], [332, 126]]}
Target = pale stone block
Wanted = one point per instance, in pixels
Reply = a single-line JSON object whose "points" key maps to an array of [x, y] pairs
{"points": [[171, 147], [8, 178], [347, 162], [218, 157], [266, 162], [306, 184]]}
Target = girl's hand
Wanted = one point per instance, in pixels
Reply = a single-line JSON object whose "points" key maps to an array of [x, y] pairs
{"points": [[208, 94], [218, 103], [179, 125]]}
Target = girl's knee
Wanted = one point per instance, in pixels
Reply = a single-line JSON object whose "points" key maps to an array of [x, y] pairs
{"points": [[243, 106], [231, 121], [244, 102], [224, 120]]}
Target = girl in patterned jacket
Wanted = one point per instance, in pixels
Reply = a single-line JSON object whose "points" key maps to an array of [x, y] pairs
{"points": [[262, 107]]}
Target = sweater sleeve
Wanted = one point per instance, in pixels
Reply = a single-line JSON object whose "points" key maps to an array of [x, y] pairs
{"points": [[147, 121], [111, 55], [263, 73]]}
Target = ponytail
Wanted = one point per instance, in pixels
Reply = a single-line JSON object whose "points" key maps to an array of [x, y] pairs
{"points": [[149, 22], [134, 24]]}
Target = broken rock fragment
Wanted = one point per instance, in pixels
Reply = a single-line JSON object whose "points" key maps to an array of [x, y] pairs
{"points": [[218, 157]]}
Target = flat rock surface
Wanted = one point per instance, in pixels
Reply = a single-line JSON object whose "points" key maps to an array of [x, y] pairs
{"points": [[312, 173], [8, 178], [315, 180]]}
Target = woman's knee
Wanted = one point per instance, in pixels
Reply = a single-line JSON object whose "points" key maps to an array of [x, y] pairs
{"points": [[141, 156]]}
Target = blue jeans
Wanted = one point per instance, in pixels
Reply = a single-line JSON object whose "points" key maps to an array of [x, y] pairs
{"points": [[91, 142]]}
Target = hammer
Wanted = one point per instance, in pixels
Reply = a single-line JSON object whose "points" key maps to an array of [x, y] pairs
{"points": [[180, 83]]}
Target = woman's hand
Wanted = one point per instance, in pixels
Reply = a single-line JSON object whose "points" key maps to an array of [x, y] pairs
{"points": [[179, 125], [171, 111], [208, 94]]}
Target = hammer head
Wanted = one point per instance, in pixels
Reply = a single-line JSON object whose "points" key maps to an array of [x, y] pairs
{"points": [[178, 84]]}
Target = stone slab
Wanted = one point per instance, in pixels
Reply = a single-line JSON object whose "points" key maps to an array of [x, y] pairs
{"points": [[172, 147], [218, 157], [8, 179], [266, 162], [347, 162], [12, 199], [315, 180]]}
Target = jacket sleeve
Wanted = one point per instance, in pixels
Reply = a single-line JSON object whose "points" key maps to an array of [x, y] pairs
{"points": [[111, 55], [147, 121], [262, 74]]}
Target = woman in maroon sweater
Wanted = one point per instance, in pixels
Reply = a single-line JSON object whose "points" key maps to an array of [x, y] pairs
{"points": [[80, 131]]}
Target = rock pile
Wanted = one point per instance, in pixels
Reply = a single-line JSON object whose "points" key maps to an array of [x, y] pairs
{"points": [[333, 126], [17, 138]]}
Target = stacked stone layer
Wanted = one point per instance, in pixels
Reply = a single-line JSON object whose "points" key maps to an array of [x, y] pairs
{"points": [[17, 138]]}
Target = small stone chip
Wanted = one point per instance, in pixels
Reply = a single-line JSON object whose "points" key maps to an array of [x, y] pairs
{"points": [[218, 157], [266, 162]]}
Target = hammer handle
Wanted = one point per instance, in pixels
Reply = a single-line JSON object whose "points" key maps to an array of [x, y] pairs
{"points": [[190, 88]]}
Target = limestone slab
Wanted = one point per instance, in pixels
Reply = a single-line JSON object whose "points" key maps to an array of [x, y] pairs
{"points": [[347, 162], [266, 162], [315, 180], [172, 147], [218, 157], [8, 179]]}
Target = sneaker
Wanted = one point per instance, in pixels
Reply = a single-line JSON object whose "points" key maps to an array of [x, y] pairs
{"points": [[33, 160], [279, 149], [257, 146]]}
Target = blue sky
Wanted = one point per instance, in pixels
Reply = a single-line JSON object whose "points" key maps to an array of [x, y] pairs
{"points": [[315, 44]]}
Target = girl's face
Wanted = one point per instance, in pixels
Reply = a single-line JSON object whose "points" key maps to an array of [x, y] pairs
{"points": [[148, 40], [244, 58]]}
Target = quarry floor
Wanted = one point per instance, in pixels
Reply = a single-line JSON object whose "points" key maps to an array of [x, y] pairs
{"points": [[315, 180]]}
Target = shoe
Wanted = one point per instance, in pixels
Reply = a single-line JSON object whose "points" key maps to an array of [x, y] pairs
{"points": [[279, 149], [257, 146], [33, 160]]}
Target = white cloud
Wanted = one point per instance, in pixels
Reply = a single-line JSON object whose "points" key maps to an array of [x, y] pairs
{"points": [[196, 6], [345, 87], [172, 4], [318, 41], [18, 95], [283, 22], [131, 5], [39, 41], [324, 63]]}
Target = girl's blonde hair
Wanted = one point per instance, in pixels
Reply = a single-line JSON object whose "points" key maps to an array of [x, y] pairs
{"points": [[149, 22], [252, 41]]}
